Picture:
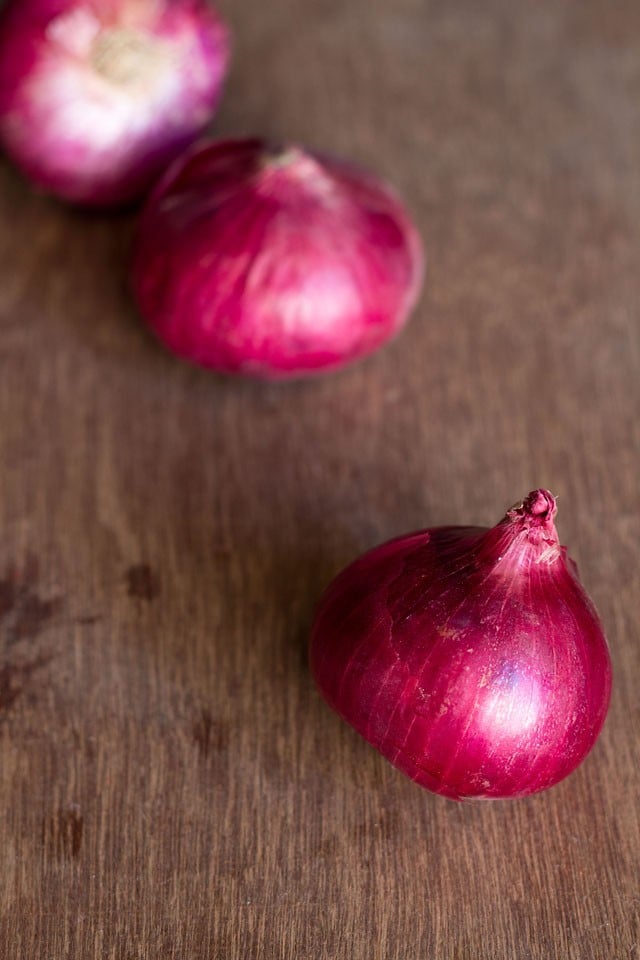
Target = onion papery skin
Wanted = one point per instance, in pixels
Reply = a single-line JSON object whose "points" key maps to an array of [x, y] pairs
{"points": [[471, 658], [274, 262], [97, 97]]}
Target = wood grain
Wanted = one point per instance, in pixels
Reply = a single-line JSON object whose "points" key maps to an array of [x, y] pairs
{"points": [[172, 786]]}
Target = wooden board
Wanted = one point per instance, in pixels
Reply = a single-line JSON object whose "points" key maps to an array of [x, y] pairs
{"points": [[172, 786]]}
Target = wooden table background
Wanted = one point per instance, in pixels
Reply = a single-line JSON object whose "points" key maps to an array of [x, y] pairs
{"points": [[171, 784]]}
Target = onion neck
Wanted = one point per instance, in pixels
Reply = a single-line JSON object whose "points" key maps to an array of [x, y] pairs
{"points": [[291, 165], [127, 58], [526, 536]]}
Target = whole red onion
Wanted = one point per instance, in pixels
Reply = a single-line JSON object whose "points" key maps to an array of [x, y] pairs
{"points": [[472, 659], [97, 96], [274, 261]]}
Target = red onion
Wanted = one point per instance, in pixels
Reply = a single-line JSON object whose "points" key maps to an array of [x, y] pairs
{"points": [[274, 262], [97, 96], [472, 658]]}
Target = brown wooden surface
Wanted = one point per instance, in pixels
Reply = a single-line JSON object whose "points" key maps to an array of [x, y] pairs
{"points": [[171, 785]]}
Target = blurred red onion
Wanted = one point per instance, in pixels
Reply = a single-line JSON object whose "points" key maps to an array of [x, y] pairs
{"points": [[274, 262], [472, 659], [97, 96]]}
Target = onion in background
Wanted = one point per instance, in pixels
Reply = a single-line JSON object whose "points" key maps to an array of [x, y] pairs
{"points": [[97, 96], [274, 261]]}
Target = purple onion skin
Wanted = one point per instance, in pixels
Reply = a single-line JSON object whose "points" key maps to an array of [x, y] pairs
{"points": [[471, 658], [274, 262], [98, 96]]}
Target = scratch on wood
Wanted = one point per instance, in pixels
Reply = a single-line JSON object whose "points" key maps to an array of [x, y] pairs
{"points": [[21, 605], [210, 735], [7, 597], [62, 833], [142, 583], [14, 677]]}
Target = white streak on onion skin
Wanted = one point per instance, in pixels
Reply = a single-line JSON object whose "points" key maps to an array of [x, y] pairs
{"points": [[472, 659], [96, 98]]}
